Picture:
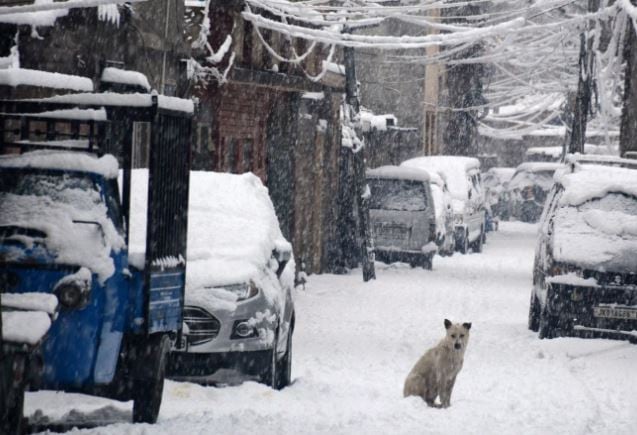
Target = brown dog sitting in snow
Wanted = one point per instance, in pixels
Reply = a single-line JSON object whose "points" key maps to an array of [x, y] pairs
{"points": [[435, 372]]}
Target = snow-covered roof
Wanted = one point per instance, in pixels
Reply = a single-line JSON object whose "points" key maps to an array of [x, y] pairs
{"points": [[377, 122], [106, 166], [232, 227], [556, 151], [595, 181], [116, 99], [454, 168], [28, 77], [399, 173], [116, 75]]}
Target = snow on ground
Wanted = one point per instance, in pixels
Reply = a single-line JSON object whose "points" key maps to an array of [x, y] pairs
{"points": [[355, 343]]}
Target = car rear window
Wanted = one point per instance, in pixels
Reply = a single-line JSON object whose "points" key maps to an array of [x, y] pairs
{"points": [[399, 195]]}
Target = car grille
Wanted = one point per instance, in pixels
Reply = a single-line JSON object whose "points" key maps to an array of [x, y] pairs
{"points": [[203, 326]]}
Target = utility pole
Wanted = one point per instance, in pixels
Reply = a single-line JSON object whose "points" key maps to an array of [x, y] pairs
{"points": [[584, 87], [358, 183]]}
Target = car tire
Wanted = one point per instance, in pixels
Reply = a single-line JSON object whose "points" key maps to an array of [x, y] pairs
{"points": [[284, 365], [462, 245], [477, 245], [269, 376], [149, 384], [534, 314], [547, 325], [427, 262]]}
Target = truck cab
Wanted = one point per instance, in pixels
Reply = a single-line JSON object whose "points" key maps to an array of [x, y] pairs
{"points": [[64, 230]]}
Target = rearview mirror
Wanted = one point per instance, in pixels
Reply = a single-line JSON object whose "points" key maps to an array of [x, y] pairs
{"points": [[282, 256]]}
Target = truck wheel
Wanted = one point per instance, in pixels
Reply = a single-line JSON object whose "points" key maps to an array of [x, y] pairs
{"points": [[149, 384], [12, 411]]}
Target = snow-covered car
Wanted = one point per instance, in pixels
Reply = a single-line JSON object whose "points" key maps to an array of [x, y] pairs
{"points": [[402, 215], [495, 182], [462, 175], [528, 188], [585, 269], [239, 308], [444, 214]]}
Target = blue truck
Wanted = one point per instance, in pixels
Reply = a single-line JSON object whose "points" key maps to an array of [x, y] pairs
{"points": [[65, 182]]}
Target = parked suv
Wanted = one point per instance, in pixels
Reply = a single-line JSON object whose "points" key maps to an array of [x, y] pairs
{"points": [[239, 310], [465, 185], [585, 269], [528, 188], [402, 215]]}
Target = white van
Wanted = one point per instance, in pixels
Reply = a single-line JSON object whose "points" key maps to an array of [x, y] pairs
{"points": [[465, 185]]}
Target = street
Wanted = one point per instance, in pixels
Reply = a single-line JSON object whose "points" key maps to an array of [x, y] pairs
{"points": [[355, 343]]}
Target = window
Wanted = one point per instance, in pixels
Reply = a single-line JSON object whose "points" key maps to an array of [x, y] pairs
{"points": [[401, 195]]}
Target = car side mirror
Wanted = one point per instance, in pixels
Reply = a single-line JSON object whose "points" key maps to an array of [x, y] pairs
{"points": [[282, 256]]}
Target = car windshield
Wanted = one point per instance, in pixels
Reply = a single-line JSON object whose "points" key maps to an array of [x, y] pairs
{"points": [[78, 190], [522, 179], [601, 231], [399, 195]]}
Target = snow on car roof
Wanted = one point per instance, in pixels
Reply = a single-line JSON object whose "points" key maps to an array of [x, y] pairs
{"points": [[595, 181], [398, 172], [106, 165], [232, 227], [538, 166], [454, 168]]}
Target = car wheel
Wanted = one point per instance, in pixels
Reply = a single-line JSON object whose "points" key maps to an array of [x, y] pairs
{"points": [[427, 262], [534, 314], [462, 245], [284, 365], [269, 375], [477, 245], [547, 325], [149, 385]]}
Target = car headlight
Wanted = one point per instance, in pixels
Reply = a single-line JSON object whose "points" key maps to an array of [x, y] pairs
{"points": [[73, 293], [243, 291]]}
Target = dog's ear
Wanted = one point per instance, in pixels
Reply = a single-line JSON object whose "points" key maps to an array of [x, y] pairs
{"points": [[447, 323], [467, 326]]}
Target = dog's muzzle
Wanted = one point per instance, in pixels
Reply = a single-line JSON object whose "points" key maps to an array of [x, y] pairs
{"points": [[457, 345]]}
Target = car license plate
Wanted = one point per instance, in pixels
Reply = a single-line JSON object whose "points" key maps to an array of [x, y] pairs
{"points": [[615, 313]]}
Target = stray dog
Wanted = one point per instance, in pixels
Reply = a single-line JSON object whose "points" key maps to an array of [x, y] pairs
{"points": [[434, 375]]}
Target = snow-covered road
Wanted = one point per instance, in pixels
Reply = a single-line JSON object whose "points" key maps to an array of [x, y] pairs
{"points": [[356, 342]]}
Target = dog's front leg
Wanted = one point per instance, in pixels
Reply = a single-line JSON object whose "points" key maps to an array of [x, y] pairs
{"points": [[445, 392]]}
